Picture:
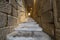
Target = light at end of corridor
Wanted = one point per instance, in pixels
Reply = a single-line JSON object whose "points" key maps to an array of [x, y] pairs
{"points": [[29, 14]]}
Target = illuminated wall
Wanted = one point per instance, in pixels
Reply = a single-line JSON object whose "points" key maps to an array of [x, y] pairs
{"points": [[21, 11]]}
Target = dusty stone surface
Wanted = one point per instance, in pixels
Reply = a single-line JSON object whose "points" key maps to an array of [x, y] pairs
{"points": [[12, 20], [5, 7], [15, 12], [3, 19]]}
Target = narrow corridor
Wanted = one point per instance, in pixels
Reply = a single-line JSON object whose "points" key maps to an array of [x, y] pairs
{"points": [[29, 20]]}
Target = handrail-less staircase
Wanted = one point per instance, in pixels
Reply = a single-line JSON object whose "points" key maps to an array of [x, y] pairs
{"points": [[28, 30]]}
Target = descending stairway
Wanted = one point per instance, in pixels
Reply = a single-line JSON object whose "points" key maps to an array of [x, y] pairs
{"points": [[28, 30]]}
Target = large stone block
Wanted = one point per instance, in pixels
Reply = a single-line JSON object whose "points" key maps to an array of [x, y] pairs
{"points": [[20, 2], [21, 9], [4, 31], [57, 32], [47, 22], [5, 7], [14, 3], [15, 12], [3, 19], [47, 16], [12, 20], [57, 37], [46, 5]]}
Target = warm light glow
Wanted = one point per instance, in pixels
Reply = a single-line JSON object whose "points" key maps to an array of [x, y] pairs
{"points": [[34, 1], [31, 8], [28, 14]]}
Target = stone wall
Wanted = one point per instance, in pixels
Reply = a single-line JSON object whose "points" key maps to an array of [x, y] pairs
{"points": [[56, 7], [10, 12], [44, 16], [48, 16], [7, 19]]}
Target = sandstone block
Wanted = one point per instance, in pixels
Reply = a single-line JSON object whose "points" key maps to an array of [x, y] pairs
{"points": [[12, 20], [5, 7], [3, 19], [15, 12]]}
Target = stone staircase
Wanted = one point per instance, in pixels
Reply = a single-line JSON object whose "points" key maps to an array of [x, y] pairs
{"points": [[29, 30]]}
